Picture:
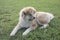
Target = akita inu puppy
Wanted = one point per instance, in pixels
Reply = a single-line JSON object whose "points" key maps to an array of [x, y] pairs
{"points": [[25, 20]]}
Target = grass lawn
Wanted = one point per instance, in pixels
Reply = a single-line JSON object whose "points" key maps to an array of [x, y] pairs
{"points": [[9, 14]]}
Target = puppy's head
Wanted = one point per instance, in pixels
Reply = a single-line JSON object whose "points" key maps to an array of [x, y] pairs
{"points": [[28, 13]]}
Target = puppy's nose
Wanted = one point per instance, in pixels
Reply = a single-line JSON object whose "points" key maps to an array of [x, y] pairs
{"points": [[33, 17]]}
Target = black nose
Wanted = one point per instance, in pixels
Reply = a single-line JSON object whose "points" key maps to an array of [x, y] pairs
{"points": [[33, 17]]}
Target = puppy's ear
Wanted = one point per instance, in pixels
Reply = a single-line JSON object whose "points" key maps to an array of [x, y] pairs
{"points": [[34, 11], [24, 13]]}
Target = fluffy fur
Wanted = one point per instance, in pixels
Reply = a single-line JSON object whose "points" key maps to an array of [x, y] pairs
{"points": [[43, 18], [25, 20]]}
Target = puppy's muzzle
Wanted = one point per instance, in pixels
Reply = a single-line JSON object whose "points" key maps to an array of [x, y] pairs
{"points": [[31, 18]]}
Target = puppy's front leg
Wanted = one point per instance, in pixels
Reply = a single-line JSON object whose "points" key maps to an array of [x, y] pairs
{"points": [[27, 31], [15, 29], [33, 27]]}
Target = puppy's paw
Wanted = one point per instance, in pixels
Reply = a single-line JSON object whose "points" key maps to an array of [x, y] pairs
{"points": [[41, 27], [44, 26], [12, 34], [24, 34]]}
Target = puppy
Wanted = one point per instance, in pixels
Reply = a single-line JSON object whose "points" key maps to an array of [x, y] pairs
{"points": [[25, 20], [43, 18]]}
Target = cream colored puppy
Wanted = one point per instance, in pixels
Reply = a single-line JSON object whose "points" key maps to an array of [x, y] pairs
{"points": [[25, 20], [43, 18]]}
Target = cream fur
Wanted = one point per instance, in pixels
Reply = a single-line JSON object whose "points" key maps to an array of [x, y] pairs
{"points": [[43, 18]]}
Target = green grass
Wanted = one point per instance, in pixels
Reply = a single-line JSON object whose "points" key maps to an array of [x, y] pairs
{"points": [[9, 14]]}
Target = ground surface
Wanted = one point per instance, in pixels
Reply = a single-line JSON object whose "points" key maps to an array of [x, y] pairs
{"points": [[9, 13]]}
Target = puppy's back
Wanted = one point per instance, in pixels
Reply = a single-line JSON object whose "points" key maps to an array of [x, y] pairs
{"points": [[44, 14], [44, 17]]}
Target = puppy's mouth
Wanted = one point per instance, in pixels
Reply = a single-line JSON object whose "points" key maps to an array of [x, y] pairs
{"points": [[30, 19]]}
